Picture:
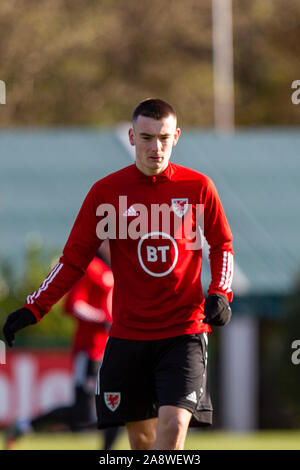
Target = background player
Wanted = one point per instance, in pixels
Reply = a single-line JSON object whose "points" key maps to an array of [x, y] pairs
{"points": [[89, 304]]}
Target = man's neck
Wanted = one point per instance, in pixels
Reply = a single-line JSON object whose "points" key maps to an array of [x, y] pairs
{"points": [[149, 172]]}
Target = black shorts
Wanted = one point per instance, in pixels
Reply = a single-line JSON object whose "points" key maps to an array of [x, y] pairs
{"points": [[135, 378]]}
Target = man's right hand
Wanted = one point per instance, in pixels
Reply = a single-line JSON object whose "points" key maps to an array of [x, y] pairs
{"points": [[15, 322]]}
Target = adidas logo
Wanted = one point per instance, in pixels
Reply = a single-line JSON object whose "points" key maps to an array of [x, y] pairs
{"points": [[192, 397], [131, 212]]}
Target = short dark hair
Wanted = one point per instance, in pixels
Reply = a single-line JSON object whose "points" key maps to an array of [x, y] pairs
{"points": [[153, 108]]}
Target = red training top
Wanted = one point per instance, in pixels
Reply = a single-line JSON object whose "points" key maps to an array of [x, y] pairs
{"points": [[157, 286]]}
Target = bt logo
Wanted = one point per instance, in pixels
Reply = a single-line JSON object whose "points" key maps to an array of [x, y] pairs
{"points": [[152, 253], [157, 253]]}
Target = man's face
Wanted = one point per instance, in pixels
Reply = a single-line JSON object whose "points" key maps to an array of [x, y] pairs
{"points": [[153, 142]]}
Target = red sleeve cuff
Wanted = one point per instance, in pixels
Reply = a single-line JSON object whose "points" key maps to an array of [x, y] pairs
{"points": [[228, 295], [34, 311]]}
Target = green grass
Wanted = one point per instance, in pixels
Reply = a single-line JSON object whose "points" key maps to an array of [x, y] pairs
{"points": [[196, 440]]}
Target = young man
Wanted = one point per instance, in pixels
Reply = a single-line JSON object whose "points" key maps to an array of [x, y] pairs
{"points": [[153, 374]]}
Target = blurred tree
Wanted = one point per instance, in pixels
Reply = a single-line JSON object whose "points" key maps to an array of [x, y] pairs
{"points": [[55, 328], [266, 37], [85, 62]]}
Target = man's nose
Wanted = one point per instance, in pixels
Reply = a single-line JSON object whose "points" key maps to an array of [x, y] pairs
{"points": [[156, 144]]}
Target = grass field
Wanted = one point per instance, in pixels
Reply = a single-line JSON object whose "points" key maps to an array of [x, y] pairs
{"points": [[207, 440]]}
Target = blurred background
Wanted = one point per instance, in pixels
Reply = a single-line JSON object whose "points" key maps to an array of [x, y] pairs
{"points": [[71, 73]]}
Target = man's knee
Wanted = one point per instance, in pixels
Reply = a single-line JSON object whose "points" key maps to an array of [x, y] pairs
{"points": [[175, 417], [142, 434], [173, 428], [141, 440], [173, 423]]}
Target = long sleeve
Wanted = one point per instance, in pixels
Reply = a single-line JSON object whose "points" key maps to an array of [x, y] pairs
{"points": [[79, 250], [219, 238], [88, 300]]}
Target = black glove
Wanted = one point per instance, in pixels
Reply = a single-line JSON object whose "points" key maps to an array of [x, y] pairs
{"points": [[15, 322], [217, 310]]}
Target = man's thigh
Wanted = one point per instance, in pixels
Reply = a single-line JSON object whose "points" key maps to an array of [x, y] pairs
{"points": [[125, 385], [180, 374]]}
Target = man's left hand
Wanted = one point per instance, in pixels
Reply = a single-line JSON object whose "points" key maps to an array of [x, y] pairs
{"points": [[217, 310]]}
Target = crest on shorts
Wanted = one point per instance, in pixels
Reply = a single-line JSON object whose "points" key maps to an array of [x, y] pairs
{"points": [[112, 400], [180, 205]]}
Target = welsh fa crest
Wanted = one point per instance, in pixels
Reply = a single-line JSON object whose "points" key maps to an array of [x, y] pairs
{"points": [[180, 206], [112, 400]]}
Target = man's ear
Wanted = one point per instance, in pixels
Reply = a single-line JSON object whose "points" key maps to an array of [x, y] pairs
{"points": [[176, 136], [131, 136]]}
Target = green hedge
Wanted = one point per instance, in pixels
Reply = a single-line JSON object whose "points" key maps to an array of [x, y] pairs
{"points": [[55, 329]]}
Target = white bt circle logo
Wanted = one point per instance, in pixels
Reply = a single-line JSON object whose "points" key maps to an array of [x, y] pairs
{"points": [[158, 256]]}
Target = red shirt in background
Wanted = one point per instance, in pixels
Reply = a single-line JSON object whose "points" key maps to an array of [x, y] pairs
{"points": [[89, 302]]}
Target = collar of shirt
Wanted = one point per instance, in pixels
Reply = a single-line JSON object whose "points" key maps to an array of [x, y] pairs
{"points": [[165, 175]]}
